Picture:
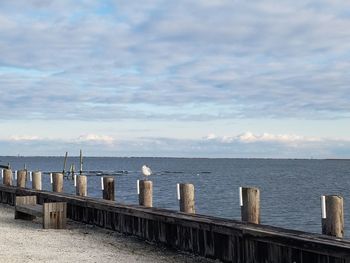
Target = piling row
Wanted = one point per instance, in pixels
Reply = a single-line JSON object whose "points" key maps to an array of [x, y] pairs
{"points": [[332, 207]]}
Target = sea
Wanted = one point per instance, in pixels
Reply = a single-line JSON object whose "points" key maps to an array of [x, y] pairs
{"points": [[291, 189]]}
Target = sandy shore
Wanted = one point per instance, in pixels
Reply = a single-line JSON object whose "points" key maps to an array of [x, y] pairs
{"points": [[26, 241]]}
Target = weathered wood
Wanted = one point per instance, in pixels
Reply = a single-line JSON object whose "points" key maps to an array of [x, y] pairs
{"points": [[26, 200], [36, 182], [57, 182], [65, 164], [333, 224], [21, 201], [250, 210], [81, 162], [146, 193], [8, 177], [223, 239], [21, 178], [55, 215], [187, 203], [72, 171], [81, 188], [33, 210], [108, 189]]}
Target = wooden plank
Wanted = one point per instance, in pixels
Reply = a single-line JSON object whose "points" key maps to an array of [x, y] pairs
{"points": [[55, 215], [21, 212], [34, 210], [26, 200]]}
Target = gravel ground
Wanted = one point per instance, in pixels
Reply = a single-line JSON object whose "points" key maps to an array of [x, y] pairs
{"points": [[26, 241]]}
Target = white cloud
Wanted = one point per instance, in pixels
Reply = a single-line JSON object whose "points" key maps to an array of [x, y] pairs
{"points": [[94, 138], [210, 136], [240, 146], [25, 138], [249, 137], [85, 138]]}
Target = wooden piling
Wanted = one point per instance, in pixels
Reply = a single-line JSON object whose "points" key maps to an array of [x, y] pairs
{"points": [[21, 178], [187, 204], [36, 182], [64, 164], [81, 188], [333, 215], [57, 182], [72, 171], [250, 204], [146, 193], [81, 162], [108, 188], [8, 176]]}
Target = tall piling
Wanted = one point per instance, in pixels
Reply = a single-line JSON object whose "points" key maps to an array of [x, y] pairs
{"points": [[187, 203], [21, 178], [36, 180], [81, 187], [146, 193], [108, 188], [332, 215], [64, 164], [7, 177], [250, 204], [57, 182]]}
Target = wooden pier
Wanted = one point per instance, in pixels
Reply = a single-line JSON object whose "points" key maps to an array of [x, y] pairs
{"points": [[212, 237]]}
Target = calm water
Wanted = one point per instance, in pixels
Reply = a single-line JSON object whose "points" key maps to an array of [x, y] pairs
{"points": [[290, 189]]}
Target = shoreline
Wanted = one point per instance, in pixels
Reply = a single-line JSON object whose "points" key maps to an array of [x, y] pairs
{"points": [[26, 241]]}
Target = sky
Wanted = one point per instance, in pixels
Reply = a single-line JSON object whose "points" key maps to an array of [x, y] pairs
{"points": [[204, 78]]}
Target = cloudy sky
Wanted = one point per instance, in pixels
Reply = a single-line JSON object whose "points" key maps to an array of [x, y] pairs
{"points": [[204, 78]]}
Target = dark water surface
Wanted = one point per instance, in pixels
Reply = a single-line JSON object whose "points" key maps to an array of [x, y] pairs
{"points": [[290, 189]]}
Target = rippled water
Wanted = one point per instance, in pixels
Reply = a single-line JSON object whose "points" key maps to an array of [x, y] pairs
{"points": [[290, 189]]}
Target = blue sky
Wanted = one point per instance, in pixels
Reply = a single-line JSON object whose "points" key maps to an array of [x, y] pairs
{"points": [[175, 78]]}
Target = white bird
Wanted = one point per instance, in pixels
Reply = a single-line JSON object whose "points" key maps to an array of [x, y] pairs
{"points": [[146, 171]]}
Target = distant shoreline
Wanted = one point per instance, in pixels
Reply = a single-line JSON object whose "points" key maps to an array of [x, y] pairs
{"points": [[172, 157]]}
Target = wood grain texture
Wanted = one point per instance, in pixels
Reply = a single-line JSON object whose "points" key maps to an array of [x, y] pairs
{"points": [[250, 211], [55, 215], [187, 203], [34, 210], [57, 182], [36, 180], [21, 178], [333, 224], [109, 188], [20, 210], [146, 193], [81, 188], [8, 177]]}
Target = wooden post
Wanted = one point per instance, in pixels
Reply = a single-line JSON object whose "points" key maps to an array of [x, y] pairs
{"points": [[55, 215], [332, 215], [81, 162], [64, 164], [57, 182], [81, 188], [72, 168], [250, 204], [108, 188], [36, 182], [187, 198], [7, 179], [21, 178], [146, 193]]}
